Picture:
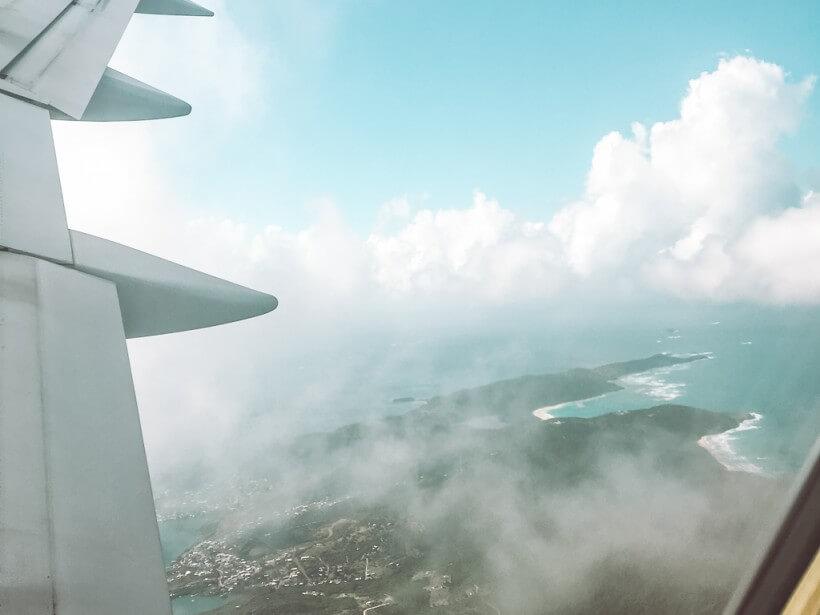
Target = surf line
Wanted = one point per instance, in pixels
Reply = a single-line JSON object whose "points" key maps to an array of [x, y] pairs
{"points": [[545, 413], [720, 446]]}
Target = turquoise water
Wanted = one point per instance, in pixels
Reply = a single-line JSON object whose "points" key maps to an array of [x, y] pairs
{"points": [[772, 370], [176, 535], [194, 605]]}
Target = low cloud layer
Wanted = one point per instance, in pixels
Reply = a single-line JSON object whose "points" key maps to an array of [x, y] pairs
{"points": [[537, 528]]}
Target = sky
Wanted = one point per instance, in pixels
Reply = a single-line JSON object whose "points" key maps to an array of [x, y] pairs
{"points": [[387, 167]]}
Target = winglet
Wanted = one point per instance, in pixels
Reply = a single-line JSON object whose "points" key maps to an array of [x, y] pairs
{"points": [[158, 296], [120, 98], [172, 7]]}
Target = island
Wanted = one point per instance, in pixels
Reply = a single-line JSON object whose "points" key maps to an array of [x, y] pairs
{"points": [[430, 512]]}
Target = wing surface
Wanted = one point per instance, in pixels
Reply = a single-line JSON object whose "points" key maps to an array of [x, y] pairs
{"points": [[158, 296], [32, 216], [21, 21], [62, 64], [55, 53], [172, 7], [120, 98]]}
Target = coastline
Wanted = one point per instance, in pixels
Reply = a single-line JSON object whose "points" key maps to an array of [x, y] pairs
{"points": [[542, 413], [545, 413], [719, 446], [647, 382]]}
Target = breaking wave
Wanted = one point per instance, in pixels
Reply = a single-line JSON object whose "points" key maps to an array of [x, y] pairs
{"points": [[654, 383], [721, 447]]}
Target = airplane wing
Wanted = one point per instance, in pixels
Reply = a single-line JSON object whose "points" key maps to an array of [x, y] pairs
{"points": [[55, 53], [54, 56], [120, 98], [22, 21], [158, 296], [32, 216], [172, 7], [62, 60]]}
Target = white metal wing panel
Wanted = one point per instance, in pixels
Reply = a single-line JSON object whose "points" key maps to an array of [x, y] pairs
{"points": [[158, 296], [32, 216], [78, 515], [25, 556], [172, 7], [21, 21], [62, 67], [120, 98]]}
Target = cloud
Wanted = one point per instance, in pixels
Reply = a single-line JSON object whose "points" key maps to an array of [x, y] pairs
{"points": [[120, 180], [688, 206], [693, 202], [208, 62], [774, 259], [484, 251]]}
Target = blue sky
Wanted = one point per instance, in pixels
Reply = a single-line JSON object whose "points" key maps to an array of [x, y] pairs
{"points": [[365, 101]]}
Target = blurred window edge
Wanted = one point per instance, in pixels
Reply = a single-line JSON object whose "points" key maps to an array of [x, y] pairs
{"points": [[786, 578]]}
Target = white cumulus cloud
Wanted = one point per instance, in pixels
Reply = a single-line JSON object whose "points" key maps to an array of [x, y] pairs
{"points": [[684, 200], [483, 250]]}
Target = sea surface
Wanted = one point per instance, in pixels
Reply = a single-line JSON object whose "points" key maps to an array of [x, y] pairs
{"points": [[194, 605]]}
